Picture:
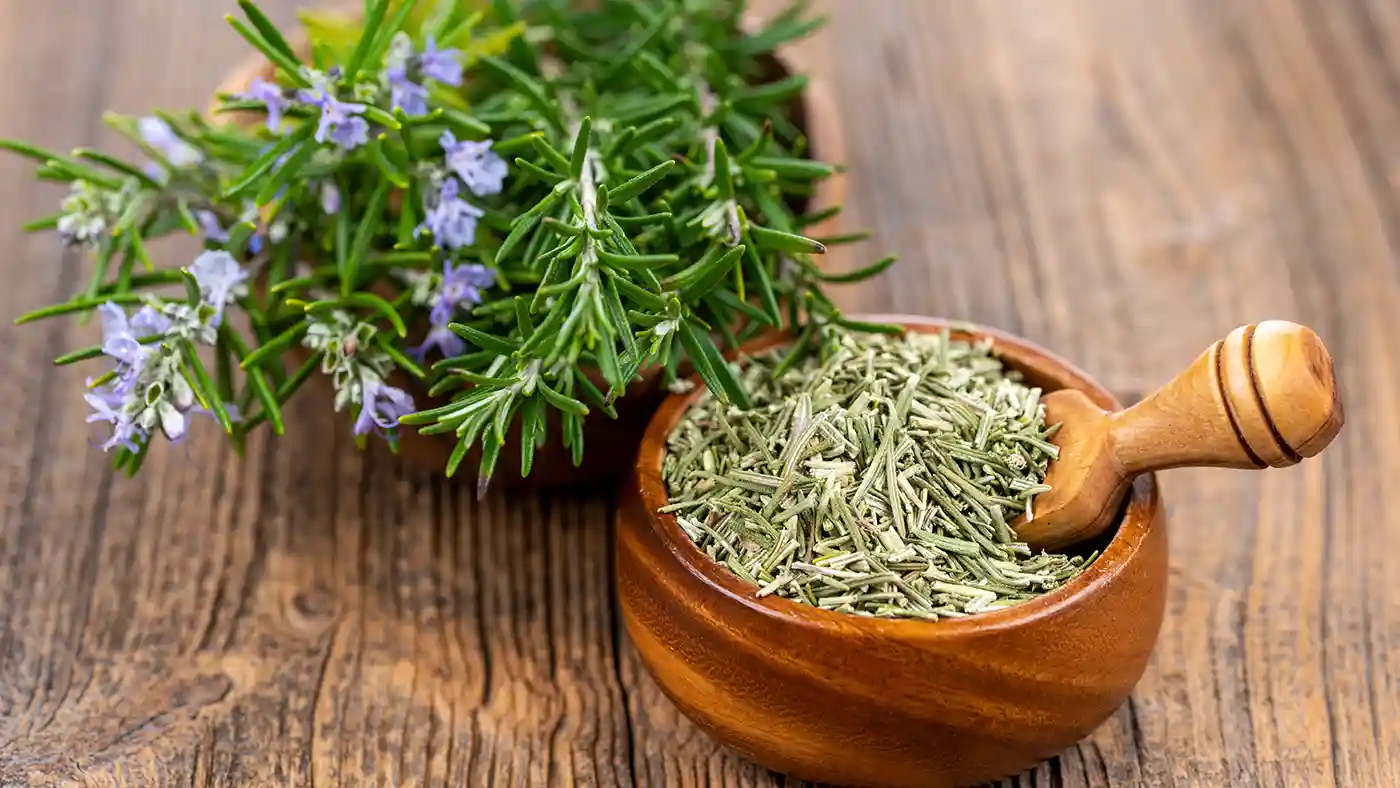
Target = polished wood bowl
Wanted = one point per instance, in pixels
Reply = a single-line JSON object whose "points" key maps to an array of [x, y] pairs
{"points": [[850, 700], [610, 445]]}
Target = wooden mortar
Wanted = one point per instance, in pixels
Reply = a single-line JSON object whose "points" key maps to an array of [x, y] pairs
{"points": [[845, 699]]}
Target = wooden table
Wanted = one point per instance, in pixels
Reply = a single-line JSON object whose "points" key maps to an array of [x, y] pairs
{"points": [[1123, 181]]}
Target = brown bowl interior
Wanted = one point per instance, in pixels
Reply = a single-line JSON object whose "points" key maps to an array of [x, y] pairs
{"points": [[954, 702], [610, 445]]}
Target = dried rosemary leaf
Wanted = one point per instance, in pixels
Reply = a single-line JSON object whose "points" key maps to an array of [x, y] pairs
{"points": [[875, 477]]}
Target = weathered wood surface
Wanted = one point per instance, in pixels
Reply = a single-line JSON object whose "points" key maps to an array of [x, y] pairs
{"points": [[1123, 182]]}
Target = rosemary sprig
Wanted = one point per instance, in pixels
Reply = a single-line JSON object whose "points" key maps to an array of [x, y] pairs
{"points": [[632, 213]]}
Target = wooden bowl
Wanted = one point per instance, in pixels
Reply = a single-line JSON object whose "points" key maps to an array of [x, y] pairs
{"points": [[845, 699], [610, 445]]}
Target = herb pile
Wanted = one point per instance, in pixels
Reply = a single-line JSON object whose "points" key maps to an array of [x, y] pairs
{"points": [[874, 477], [492, 198]]}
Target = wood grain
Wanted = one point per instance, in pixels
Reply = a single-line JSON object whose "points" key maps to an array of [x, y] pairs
{"points": [[1122, 182]]}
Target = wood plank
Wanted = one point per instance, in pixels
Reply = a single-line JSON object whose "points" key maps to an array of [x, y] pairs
{"points": [[1124, 182]]}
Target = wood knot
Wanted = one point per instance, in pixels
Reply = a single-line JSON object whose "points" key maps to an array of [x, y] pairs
{"points": [[311, 610], [203, 690]]}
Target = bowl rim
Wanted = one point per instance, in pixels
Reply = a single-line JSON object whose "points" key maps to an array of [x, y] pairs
{"points": [[1131, 531]]}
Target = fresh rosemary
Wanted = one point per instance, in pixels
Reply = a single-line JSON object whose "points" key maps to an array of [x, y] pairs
{"points": [[875, 477], [520, 204]]}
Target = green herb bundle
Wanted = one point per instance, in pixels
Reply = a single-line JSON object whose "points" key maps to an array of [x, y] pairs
{"points": [[875, 477], [521, 204]]}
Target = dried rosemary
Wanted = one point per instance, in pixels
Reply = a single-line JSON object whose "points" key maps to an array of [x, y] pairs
{"points": [[875, 477]]}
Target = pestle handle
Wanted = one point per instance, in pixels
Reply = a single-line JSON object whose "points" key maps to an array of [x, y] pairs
{"points": [[1264, 396]]}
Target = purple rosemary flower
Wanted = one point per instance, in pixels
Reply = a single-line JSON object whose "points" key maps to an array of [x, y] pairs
{"points": [[443, 65], [475, 163], [106, 402], [112, 403], [148, 322], [209, 225], [461, 287], [406, 94], [121, 341], [272, 96], [330, 198], [381, 406], [453, 220], [444, 340], [406, 71], [149, 390], [340, 122], [118, 339], [351, 134], [219, 277], [158, 134], [108, 406]]}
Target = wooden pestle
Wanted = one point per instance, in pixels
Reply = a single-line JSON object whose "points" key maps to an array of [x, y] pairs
{"points": [[1264, 396]]}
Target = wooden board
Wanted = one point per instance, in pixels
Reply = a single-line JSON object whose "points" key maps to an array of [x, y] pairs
{"points": [[1123, 182]]}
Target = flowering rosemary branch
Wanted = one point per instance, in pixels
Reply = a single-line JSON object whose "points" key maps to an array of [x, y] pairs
{"points": [[520, 208]]}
